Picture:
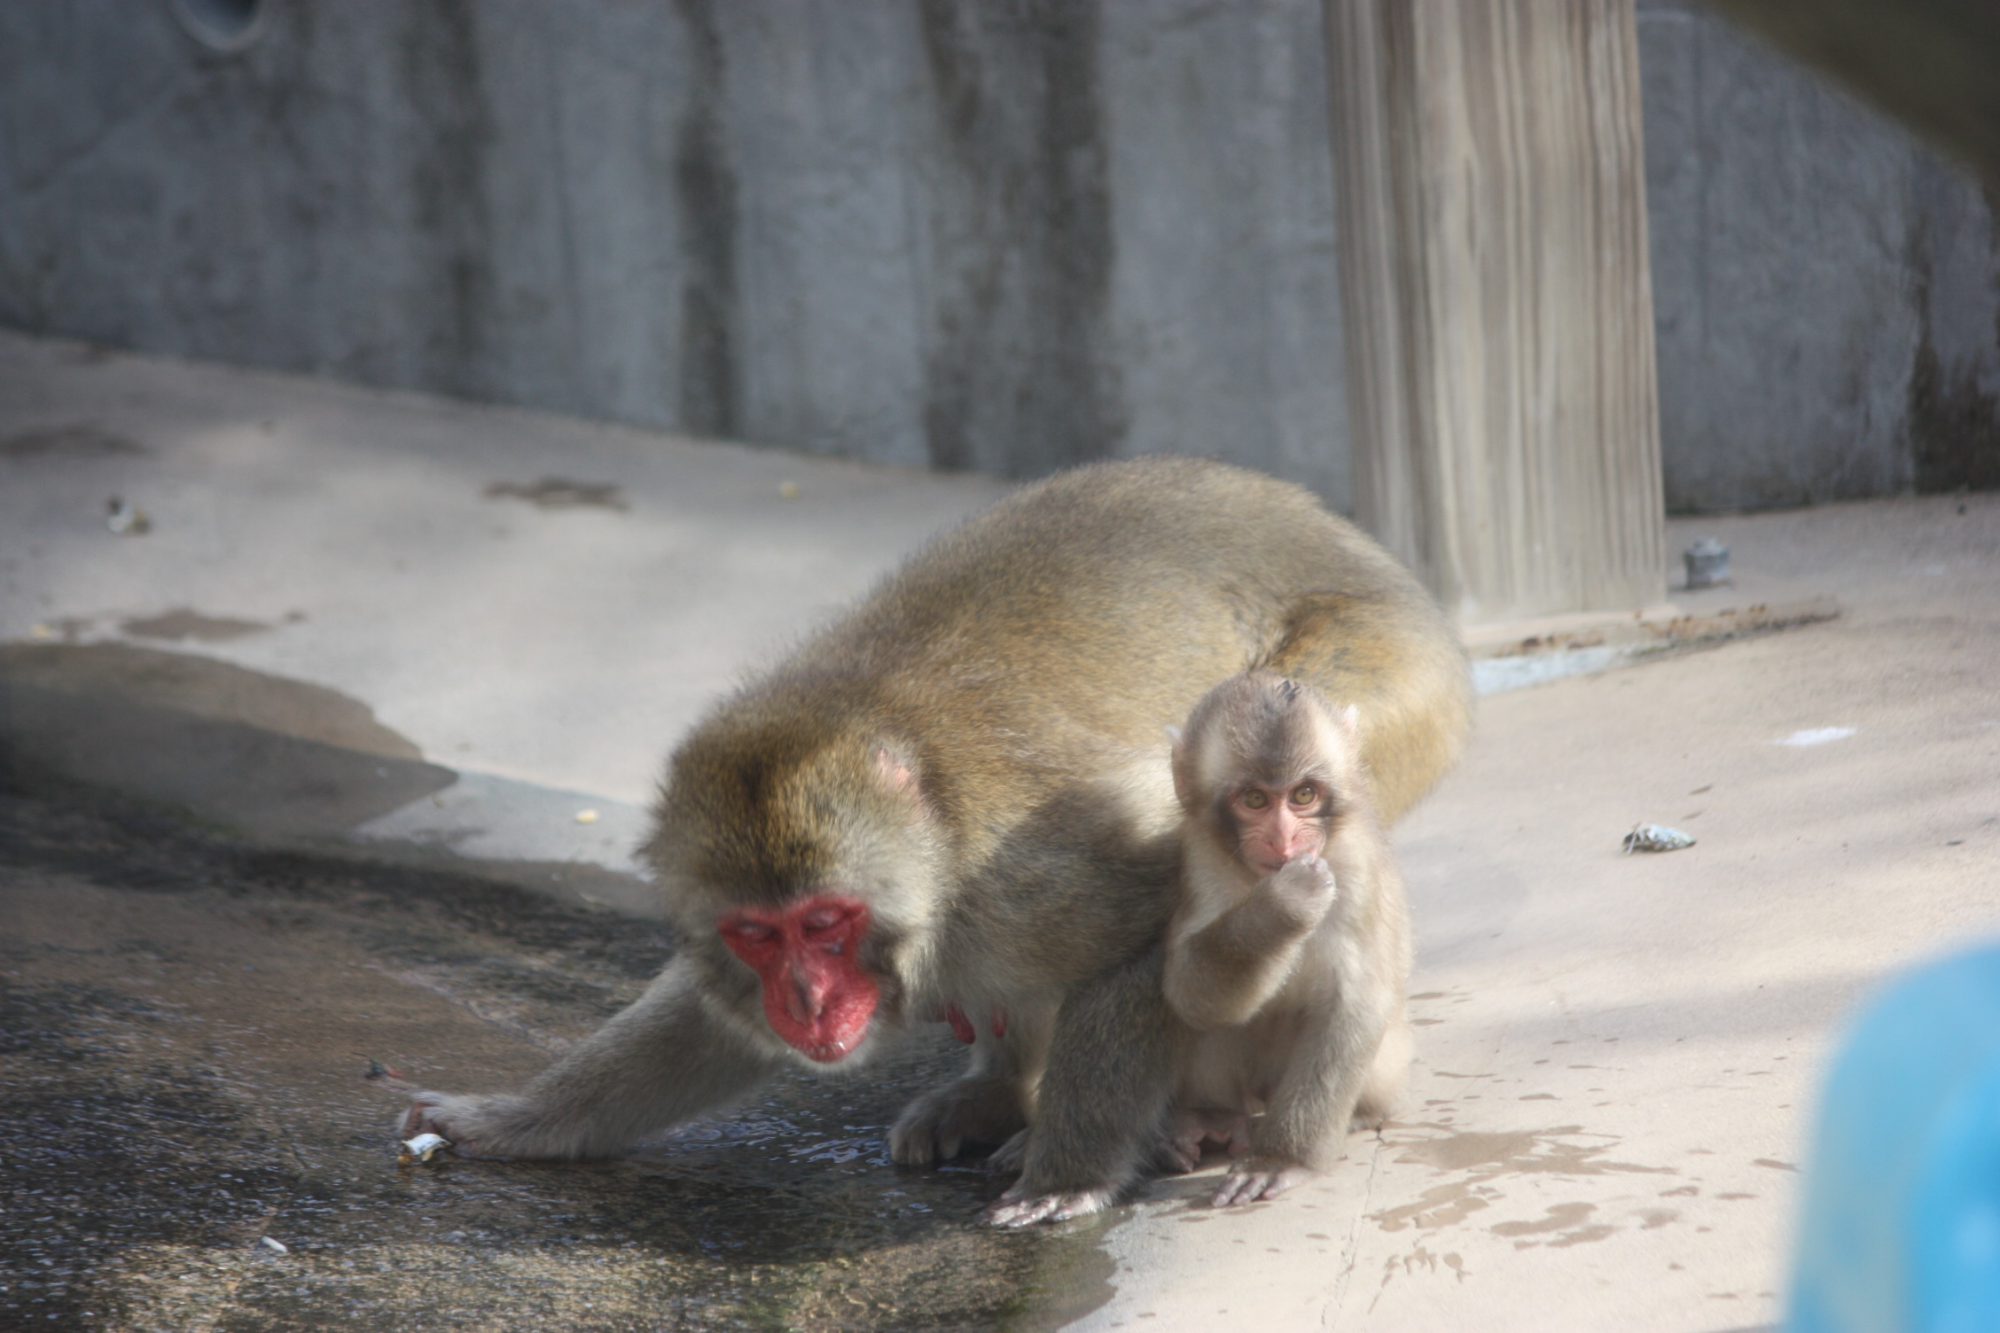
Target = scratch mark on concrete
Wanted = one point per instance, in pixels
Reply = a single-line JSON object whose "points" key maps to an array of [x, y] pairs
{"points": [[1351, 1247]]}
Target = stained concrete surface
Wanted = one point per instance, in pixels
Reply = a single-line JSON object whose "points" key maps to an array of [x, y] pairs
{"points": [[1617, 1055], [528, 654]]}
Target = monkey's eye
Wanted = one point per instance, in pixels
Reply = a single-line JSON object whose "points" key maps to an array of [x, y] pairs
{"points": [[1254, 799], [745, 931], [1304, 794], [822, 919]]}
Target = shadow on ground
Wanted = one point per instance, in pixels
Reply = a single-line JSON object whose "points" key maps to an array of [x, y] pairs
{"points": [[189, 1025]]}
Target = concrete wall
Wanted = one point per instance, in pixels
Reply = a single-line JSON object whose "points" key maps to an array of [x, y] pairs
{"points": [[1827, 291], [1001, 236], [1005, 235]]}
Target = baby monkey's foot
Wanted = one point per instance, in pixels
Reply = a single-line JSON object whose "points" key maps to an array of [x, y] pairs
{"points": [[1259, 1178]]}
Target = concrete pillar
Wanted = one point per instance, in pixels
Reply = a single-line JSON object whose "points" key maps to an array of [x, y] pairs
{"points": [[1498, 299]]}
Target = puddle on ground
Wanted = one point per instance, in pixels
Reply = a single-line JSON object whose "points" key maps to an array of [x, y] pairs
{"points": [[1500, 675], [560, 493], [188, 1025]]}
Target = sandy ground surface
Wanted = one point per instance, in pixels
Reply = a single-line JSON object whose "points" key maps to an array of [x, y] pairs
{"points": [[380, 652]]}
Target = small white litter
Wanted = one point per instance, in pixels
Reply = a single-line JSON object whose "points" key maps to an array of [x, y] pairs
{"points": [[127, 520], [422, 1148], [1656, 838], [1816, 736]]}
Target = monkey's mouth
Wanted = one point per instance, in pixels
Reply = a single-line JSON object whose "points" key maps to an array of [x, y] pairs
{"points": [[828, 1048], [828, 1053], [831, 1036]]}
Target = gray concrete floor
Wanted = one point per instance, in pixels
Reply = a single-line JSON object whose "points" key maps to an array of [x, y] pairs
{"points": [[393, 661]]}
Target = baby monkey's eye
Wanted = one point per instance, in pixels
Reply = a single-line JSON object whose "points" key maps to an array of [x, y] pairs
{"points": [[1254, 799], [1304, 794]]}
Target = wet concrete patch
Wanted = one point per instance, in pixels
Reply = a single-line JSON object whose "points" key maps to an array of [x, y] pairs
{"points": [[1562, 1225], [205, 689], [189, 1025], [233, 745], [561, 493], [73, 441], [1420, 1261], [1502, 664], [1522, 1152], [281, 760], [183, 623], [1479, 1163]]}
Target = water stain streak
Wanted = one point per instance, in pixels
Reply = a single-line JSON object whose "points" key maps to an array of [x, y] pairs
{"points": [[561, 493]]}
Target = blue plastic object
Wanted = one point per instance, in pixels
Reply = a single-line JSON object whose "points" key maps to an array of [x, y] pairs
{"points": [[1902, 1195]]}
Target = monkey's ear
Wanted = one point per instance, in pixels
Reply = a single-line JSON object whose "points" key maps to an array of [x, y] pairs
{"points": [[1350, 721], [1183, 765], [896, 772]]}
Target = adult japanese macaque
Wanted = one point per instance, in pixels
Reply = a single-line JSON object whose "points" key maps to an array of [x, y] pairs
{"points": [[1289, 953], [939, 808]]}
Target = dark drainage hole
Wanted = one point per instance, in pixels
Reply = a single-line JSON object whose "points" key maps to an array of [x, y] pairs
{"points": [[221, 25]]}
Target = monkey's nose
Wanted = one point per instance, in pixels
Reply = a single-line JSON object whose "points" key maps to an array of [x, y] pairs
{"points": [[805, 997]]}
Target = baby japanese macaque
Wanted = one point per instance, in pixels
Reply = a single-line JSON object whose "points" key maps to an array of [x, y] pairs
{"points": [[1288, 955]]}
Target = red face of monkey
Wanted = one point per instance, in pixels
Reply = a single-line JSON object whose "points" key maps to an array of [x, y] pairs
{"points": [[817, 996], [1275, 825]]}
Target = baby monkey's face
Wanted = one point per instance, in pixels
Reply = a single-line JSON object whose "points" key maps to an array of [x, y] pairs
{"points": [[1270, 759], [1276, 824]]}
